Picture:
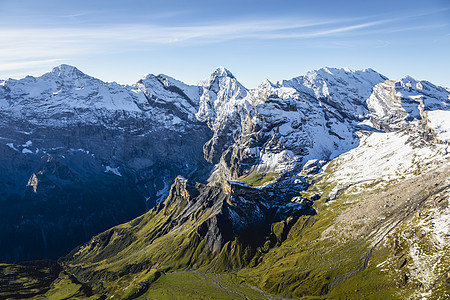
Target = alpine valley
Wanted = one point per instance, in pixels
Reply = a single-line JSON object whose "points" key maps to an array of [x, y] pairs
{"points": [[331, 185]]}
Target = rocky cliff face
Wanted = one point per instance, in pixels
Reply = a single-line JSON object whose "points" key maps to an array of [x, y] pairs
{"points": [[195, 227], [312, 119]]}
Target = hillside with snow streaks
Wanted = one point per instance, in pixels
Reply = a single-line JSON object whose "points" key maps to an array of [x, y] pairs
{"points": [[279, 127]]}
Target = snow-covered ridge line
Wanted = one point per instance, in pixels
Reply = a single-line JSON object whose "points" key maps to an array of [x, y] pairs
{"points": [[310, 117], [66, 81]]}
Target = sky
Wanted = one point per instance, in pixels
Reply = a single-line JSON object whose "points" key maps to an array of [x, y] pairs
{"points": [[256, 40]]}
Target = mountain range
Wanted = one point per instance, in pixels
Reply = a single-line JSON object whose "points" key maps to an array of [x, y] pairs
{"points": [[330, 185]]}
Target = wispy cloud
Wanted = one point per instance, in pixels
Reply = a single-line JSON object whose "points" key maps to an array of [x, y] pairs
{"points": [[27, 47], [19, 65], [39, 42], [78, 14], [96, 14], [44, 44], [349, 28]]}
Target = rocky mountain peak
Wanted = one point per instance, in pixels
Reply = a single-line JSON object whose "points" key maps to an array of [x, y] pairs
{"points": [[266, 84], [223, 72], [342, 89], [408, 82], [67, 72], [345, 74], [220, 96], [223, 80], [67, 79]]}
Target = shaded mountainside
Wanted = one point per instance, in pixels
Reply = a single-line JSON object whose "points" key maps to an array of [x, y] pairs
{"points": [[330, 185], [79, 156]]}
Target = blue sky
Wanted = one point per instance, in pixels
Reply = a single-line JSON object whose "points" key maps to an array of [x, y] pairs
{"points": [[256, 40]]}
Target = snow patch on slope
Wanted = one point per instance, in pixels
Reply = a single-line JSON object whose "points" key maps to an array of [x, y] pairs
{"points": [[383, 157], [11, 145], [112, 170], [429, 258], [440, 123], [441, 225], [26, 151]]}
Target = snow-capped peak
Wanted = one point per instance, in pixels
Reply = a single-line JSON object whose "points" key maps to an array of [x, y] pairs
{"points": [[67, 71], [221, 90], [267, 84], [223, 72], [223, 83], [343, 89], [220, 74], [408, 79], [326, 72]]}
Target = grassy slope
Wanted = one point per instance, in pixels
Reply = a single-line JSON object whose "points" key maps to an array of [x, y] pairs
{"points": [[197, 285], [40, 280], [188, 285], [311, 262], [120, 257], [259, 179]]}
